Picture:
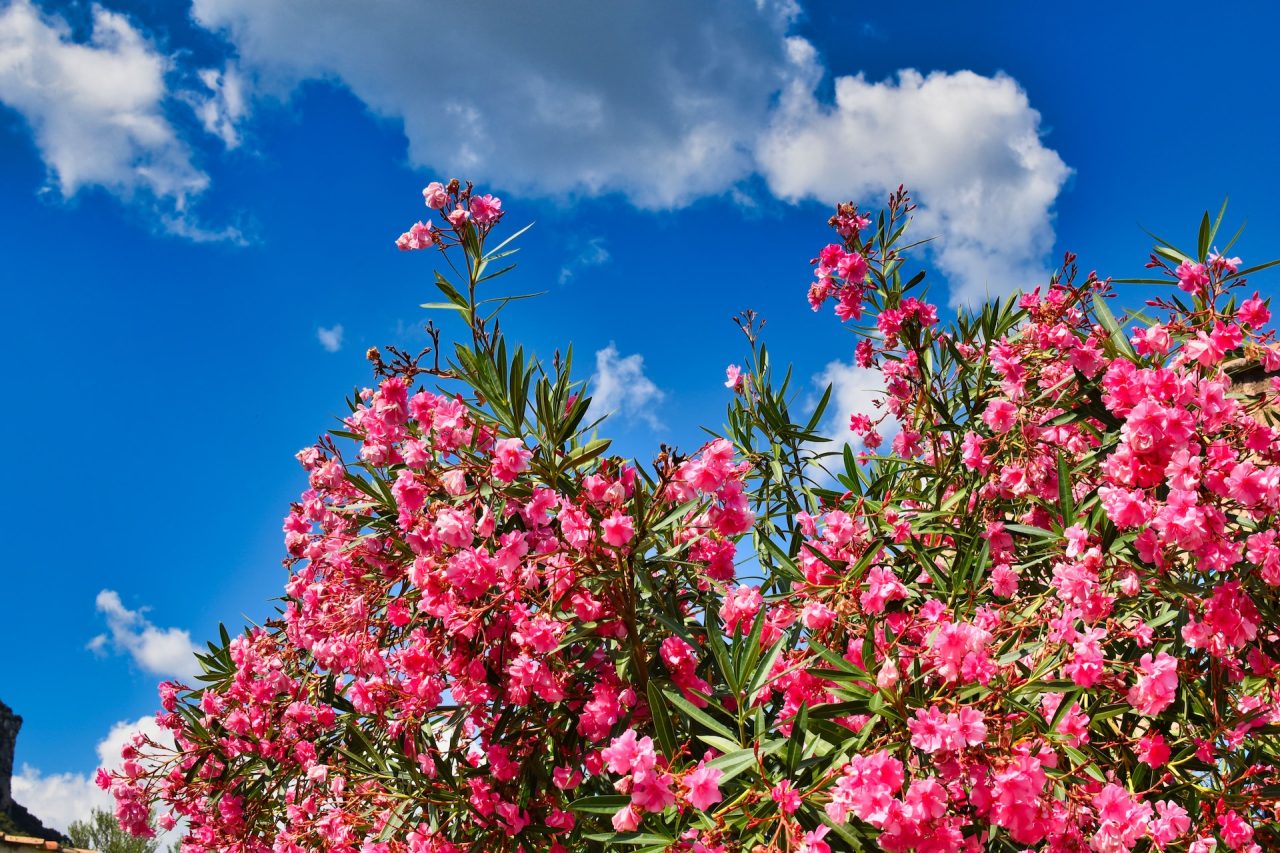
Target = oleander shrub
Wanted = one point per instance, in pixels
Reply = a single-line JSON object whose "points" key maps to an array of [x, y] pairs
{"points": [[1032, 607]]}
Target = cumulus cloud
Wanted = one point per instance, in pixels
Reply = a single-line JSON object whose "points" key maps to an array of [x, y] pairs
{"points": [[161, 651], [60, 798], [593, 254], [619, 385], [330, 338], [660, 101], [969, 147], [96, 109]]}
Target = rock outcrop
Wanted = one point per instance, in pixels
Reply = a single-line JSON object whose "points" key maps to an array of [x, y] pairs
{"points": [[13, 816]]}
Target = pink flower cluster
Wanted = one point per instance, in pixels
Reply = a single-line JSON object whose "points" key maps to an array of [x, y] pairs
{"points": [[459, 208]]}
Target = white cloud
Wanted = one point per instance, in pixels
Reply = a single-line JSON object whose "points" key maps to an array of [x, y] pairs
{"points": [[160, 651], [667, 102], [593, 254], [331, 338], [60, 798], [854, 391], [95, 109], [620, 386], [661, 101], [225, 106], [967, 146]]}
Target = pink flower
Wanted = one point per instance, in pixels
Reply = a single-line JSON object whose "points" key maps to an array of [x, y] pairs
{"points": [[1191, 277], [459, 217], [682, 663], [1000, 415], [419, 236], [1153, 340], [1204, 350], [740, 608], [852, 268], [970, 726], [1156, 687], [1228, 264], [786, 796], [485, 209], [734, 378], [1235, 831], [1004, 581], [455, 527], [866, 789], [510, 458], [1124, 507], [408, 492], [1171, 823], [811, 842], [628, 753], [1152, 750], [702, 786], [651, 790], [627, 819], [883, 586], [930, 730], [618, 529], [435, 196], [816, 616], [1253, 312], [1122, 819]]}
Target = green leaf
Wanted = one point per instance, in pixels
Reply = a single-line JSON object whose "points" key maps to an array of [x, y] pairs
{"points": [[602, 804], [733, 763], [661, 720], [763, 669], [581, 457], [795, 743], [493, 253], [693, 712], [660, 842], [451, 293], [1108, 322], [1064, 491], [1083, 762], [1213, 232]]}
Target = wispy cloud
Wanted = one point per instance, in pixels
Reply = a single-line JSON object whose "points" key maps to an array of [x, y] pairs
{"points": [[225, 106], [620, 386], [593, 254], [330, 338], [871, 31], [161, 651]]}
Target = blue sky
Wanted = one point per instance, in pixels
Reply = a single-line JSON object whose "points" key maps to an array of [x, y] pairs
{"points": [[193, 193]]}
